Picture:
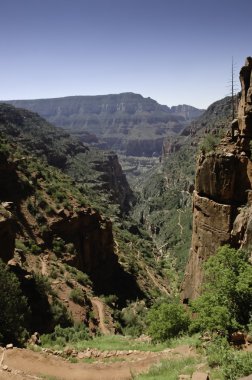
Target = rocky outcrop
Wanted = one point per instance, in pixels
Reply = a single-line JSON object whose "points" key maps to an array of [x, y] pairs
{"points": [[92, 237], [222, 197], [94, 254], [114, 181], [188, 112], [171, 145], [7, 233]]}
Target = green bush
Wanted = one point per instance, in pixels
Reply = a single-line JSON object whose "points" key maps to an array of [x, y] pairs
{"points": [[209, 143], [232, 363], [83, 278], [133, 319], [237, 364], [76, 295], [13, 306], [226, 301], [166, 321], [60, 315], [65, 336], [58, 245]]}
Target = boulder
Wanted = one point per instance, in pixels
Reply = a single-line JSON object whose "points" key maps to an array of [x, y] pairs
{"points": [[238, 338]]}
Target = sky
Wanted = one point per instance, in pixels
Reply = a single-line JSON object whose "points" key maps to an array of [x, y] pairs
{"points": [[174, 51]]}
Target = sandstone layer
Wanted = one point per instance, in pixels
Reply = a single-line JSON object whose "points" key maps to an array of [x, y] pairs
{"points": [[222, 198]]}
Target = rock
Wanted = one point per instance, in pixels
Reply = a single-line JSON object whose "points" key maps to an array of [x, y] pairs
{"points": [[68, 351], [211, 225], [35, 339], [200, 376], [223, 187], [7, 233], [184, 377], [249, 338], [9, 346], [81, 355], [238, 338]]}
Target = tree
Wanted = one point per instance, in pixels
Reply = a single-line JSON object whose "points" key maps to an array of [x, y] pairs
{"points": [[226, 301], [166, 321], [13, 307]]}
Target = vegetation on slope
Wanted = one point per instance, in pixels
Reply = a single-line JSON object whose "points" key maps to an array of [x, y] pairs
{"points": [[42, 198], [164, 193]]}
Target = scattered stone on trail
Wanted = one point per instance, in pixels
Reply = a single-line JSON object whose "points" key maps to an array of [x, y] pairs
{"points": [[9, 346], [249, 339], [68, 351], [200, 376], [184, 377], [35, 339], [5, 367]]}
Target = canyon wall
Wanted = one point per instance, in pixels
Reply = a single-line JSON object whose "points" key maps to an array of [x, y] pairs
{"points": [[222, 200]]}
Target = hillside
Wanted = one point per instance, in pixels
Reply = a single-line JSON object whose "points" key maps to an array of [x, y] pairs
{"points": [[54, 234], [94, 170], [127, 122]]}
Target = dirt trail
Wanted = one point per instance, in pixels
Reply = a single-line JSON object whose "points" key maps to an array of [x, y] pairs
{"points": [[155, 282], [26, 364], [100, 308]]}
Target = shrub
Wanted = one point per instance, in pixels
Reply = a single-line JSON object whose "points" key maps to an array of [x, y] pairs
{"points": [[133, 319], [226, 301], [58, 245], [13, 306], [209, 143], [20, 245], [53, 273], [83, 278], [233, 364], [76, 295], [60, 314], [166, 321], [65, 336]]}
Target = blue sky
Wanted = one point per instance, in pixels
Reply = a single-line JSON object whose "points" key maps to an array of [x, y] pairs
{"points": [[175, 51]]}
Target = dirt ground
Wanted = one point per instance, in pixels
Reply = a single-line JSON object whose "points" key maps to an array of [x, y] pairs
{"points": [[20, 364]]}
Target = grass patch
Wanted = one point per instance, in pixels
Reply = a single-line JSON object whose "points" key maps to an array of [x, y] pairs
{"points": [[49, 377], [170, 369], [190, 340], [118, 342]]}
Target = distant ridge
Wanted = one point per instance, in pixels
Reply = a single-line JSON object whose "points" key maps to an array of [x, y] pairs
{"points": [[126, 122]]}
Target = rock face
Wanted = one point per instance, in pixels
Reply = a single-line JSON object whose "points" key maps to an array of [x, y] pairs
{"points": [[93, 241], [7, 234], [222, 197], [125, 122], [114, 181]]}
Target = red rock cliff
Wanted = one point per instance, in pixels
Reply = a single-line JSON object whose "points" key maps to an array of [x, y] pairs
{"points": [[222, 203]]}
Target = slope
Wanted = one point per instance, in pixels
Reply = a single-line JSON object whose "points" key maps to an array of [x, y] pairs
{"points": [[64, 251]]}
